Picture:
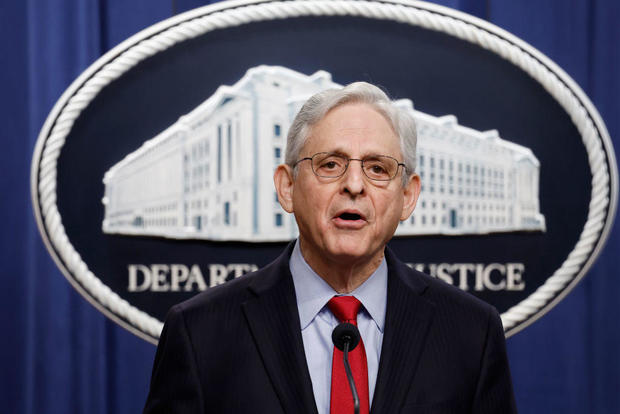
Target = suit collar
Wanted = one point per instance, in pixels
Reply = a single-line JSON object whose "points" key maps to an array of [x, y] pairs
{"points": [[274, 321], [273, 274], [313, 292], [408, 319]]}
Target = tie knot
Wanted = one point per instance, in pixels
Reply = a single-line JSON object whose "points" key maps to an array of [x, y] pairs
{"points": [[345, 308]]}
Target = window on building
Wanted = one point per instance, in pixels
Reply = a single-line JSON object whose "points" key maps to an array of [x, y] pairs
{"points": [[277, 130], [230, 164], [238, 140], [278, 219], [219, 153], [227, 213]]}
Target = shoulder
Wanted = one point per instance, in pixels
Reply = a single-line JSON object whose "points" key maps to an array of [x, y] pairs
{"points": [[448, 301], [227, 299]]}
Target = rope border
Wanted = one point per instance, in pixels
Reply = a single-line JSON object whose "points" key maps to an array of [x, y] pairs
{"points": [[200, 21]]}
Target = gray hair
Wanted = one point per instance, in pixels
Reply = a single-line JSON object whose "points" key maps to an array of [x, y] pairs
{"points": [[318, 105]]}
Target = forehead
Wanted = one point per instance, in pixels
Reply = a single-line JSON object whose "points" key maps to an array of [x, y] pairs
{"points": [[355, 129]]}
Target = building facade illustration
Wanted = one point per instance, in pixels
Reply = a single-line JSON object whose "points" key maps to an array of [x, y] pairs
{"points": [[210, 174]]}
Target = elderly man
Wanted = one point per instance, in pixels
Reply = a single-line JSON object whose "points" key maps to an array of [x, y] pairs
{"points": [[262, 343]]}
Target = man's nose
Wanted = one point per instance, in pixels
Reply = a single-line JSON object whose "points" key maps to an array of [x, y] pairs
{"points": [[353, 179]]}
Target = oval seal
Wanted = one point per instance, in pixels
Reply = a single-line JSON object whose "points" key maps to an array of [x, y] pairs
{"points": [[151, 177]]}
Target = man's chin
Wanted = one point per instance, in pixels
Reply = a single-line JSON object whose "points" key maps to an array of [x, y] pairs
{"points": [[351, 249]]}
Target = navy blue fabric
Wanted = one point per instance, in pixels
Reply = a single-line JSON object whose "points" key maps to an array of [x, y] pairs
{"points": [[60, 355]]}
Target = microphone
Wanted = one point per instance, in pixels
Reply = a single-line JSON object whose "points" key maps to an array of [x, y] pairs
{"points": [[345, 337]]}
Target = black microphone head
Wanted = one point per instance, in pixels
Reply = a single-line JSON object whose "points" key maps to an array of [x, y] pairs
{"points": [[346, 332]]}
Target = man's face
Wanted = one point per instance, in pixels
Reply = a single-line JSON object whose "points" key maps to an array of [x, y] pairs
{"points": [[350, 218]]}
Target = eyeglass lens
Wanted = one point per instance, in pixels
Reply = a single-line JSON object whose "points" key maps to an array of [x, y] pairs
{"points": [[377, 167]]}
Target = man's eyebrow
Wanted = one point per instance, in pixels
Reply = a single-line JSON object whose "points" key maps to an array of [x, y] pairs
{"points": [[338, 152], [346, 154]]}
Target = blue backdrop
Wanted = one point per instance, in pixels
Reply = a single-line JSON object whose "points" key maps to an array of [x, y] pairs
{"points": [[60, 355]]}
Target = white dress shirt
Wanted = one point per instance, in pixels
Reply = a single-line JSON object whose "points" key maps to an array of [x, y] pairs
{"points": [[317, 323]]}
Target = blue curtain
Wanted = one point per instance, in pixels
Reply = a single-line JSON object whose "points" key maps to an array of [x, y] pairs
{"points": [[60, 355]]}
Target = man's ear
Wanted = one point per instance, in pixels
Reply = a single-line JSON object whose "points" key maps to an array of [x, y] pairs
{"points": [[284, 183], [411, 192]]}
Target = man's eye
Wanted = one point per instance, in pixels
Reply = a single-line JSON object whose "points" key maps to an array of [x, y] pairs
{"points": [[377, 169], [330, 165]]}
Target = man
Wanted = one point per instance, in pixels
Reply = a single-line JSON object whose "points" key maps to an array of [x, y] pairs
{"points": [[262, 343]]}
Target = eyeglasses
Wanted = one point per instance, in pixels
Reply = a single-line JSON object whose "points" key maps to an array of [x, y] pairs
{"points": [[332, 165]]}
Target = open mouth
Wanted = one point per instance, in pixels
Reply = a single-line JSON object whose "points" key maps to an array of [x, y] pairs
{"points": [[350, 220], [350, 216]]}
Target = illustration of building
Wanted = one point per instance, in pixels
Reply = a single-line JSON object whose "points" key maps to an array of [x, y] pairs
{"points": [[210, 174]]}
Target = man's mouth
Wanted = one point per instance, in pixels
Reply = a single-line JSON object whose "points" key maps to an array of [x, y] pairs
{"points": [[351, 220], [350, 216]]}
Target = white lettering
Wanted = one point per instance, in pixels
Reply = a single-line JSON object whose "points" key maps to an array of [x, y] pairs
{"points": [[480, 276], [514, 274], [178, 277], [444, 271], [178, 274], [133, 278], [463, 269], [159, 273], [195, 277], [486, 276], [217, 274]]}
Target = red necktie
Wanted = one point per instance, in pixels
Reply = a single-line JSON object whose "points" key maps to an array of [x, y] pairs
{"points": [[345, 308]]}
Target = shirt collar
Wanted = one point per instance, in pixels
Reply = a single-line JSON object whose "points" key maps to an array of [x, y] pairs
{"points": [[313, 292]]}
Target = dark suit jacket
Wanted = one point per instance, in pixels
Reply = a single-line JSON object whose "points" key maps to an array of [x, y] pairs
{"points": [[238, 348]]}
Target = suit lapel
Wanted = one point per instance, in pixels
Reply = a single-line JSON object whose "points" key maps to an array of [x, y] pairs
{"points": [[274, 321], [408, 318]]}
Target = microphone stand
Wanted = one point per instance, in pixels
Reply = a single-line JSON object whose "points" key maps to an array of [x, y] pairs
{"points": [[347, 368], [346, 336]]}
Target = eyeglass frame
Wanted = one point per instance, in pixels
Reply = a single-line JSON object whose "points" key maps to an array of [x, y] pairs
{"points": [[346, 167]]}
